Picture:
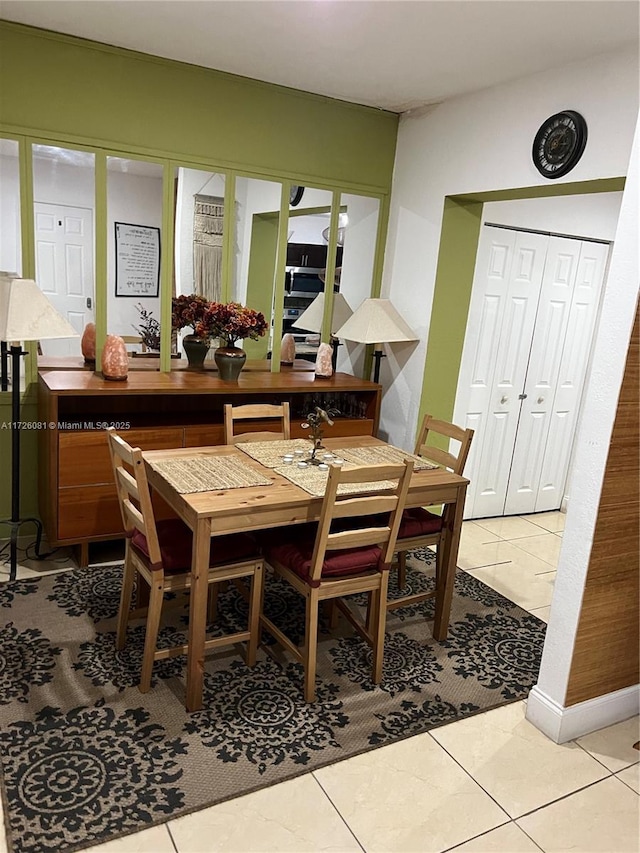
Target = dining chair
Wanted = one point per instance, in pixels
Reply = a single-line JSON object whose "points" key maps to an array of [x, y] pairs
{"points": [[327, 561], [419, 527], [256, 412], [160, 554]]}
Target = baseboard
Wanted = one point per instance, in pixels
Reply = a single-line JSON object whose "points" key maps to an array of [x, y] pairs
{"points": [[562, 724]]}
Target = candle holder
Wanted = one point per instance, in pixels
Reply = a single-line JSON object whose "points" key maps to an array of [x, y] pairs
{"points": [[315, 423]]}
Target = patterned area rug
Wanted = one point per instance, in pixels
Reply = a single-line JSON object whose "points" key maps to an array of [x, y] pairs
{"points": [[86, 757]]}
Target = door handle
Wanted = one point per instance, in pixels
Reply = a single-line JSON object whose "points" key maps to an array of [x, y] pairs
{"points": [[89, 303], [504, 400]]}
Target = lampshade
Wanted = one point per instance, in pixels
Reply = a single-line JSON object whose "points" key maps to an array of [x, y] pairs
{"points": [[312, 318], [375, 321], [27, 315]]}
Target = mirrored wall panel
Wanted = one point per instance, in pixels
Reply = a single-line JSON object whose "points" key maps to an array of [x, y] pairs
{"points": [[64, 222], [358, 229], [257, 222], [134, 251], [307, 249], [10, 237]]}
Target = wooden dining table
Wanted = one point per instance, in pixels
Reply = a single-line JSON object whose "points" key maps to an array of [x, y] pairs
{"points": [[280, 504]]}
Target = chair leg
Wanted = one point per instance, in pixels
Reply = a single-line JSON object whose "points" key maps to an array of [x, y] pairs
{"points": [[402, 569], [125, 602], [311, 646], [255, 606], [156, 596], [379, 605]]}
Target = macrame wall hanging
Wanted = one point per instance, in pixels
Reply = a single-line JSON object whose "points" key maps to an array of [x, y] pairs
{"points": [[208, 217]]}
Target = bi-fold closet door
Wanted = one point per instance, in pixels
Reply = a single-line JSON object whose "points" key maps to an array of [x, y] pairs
{"points": [[531, 319]]}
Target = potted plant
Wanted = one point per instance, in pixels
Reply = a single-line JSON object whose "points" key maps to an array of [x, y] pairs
{"points": [[188, 312], [148, 329], [231, 322]]}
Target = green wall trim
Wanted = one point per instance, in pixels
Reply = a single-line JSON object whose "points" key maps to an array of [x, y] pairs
{"points": [[601, 185], [459, 236], [454, 274], [139, 102]]}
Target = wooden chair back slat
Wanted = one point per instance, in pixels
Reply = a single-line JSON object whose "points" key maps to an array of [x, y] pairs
{"points": [[455, 462], [257, 411], [383, 536], [133, 484]]}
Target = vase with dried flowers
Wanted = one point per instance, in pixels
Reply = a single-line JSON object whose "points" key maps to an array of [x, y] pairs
{"points": [[231, 322], [188, 311]]}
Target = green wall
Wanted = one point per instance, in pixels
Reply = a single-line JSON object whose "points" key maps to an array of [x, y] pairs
{"points": [[64, 90], [461, 223], [95, 94]]}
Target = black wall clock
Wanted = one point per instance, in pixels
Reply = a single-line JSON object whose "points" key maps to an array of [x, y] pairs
{"points": [[295, 195], [559, 143]]}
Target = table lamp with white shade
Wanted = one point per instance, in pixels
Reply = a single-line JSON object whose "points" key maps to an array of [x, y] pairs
{"points": [[312, 318], [376, 322], [25, 315]]}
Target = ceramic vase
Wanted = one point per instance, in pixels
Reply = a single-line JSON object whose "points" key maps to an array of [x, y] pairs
{"points": [[115, 361], [196, 350], [230, 361], [88, 342]]}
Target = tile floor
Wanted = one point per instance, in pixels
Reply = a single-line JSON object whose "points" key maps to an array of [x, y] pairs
{"points": [[489, 784]]}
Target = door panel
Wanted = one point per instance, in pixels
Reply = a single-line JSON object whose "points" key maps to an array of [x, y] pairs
{"points": [[531, 319], [572, 372], [64, 267], [541, 377], [503, 311]]}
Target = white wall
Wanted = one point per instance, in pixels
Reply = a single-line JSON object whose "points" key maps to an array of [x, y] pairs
{"points": [[482, 142], [593, 216], [546, 703], [136, 199]]}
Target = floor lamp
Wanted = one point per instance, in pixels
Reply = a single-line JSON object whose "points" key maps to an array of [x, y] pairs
{"points": [[376, 322], [25, 315], [312, 318]]}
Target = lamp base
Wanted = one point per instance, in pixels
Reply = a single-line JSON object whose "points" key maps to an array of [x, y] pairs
{"points": [[15, 525]]}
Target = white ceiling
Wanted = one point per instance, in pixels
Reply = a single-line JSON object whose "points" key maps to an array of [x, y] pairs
{"points": [[393, 54]]}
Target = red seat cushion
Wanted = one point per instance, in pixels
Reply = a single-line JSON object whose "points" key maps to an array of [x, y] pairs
{"points": [[418, 522], [175, 540], [296, 555]]}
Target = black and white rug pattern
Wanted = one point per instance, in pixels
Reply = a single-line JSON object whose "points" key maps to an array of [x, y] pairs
{"points": [[86, 757]]}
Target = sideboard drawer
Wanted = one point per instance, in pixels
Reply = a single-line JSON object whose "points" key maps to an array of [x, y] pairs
{"points": [[84, 459]]}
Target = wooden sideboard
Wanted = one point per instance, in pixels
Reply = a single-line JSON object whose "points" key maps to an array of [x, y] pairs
{"points": [[77, 498]]}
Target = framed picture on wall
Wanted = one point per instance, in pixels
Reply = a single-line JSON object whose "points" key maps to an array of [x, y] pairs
{"points": [[137, 260]]}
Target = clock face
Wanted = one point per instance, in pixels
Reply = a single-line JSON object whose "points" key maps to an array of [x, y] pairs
{"points": [[295, 195], [559, 144]]}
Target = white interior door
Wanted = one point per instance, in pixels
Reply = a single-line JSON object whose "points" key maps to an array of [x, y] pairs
{"points": [[494, 364], [64, 267], [564, 399], [531, 319]]}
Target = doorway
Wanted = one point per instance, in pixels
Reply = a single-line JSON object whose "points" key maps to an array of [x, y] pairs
{"points": [[64, 267], [531, 318]]}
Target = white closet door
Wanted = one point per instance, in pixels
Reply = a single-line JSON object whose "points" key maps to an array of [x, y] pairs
{"points": [[572, 372], [501, 318], [552, 321]]}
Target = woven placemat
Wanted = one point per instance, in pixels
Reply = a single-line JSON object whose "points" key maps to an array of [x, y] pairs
{"points": [[314, 481], [270, 453], [208, 473], [387, 453]]}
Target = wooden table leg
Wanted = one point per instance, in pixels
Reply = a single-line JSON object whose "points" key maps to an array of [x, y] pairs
{"points": [[452, 541], [198, 613]]}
